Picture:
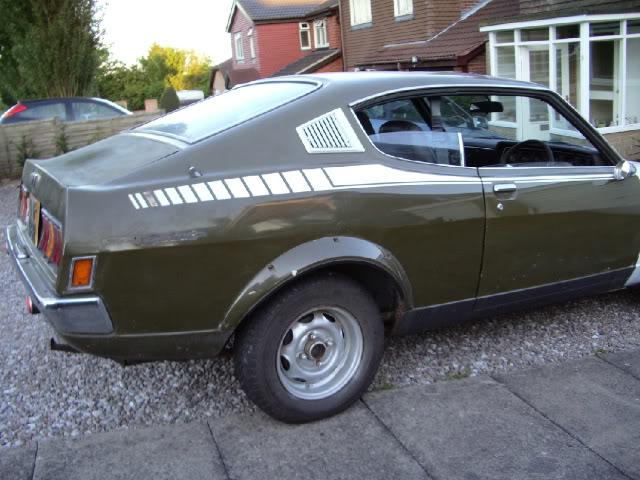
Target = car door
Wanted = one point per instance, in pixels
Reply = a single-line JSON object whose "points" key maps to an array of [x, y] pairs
{"points": [[555, 227], [428, 212]]}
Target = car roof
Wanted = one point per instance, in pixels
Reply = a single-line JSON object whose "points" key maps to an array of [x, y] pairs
{"points": [[102, 101], [356, 86]]}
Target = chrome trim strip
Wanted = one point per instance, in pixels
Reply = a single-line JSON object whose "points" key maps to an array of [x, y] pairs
{"points": [[548, 178], [526, 86], [78, 314]]}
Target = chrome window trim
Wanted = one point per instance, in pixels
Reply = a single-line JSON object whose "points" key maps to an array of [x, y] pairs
{"points": [[93, 273], [368, 98]]}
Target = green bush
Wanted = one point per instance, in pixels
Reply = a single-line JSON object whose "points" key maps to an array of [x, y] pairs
{"points": [[169, 100], [26, 150]]}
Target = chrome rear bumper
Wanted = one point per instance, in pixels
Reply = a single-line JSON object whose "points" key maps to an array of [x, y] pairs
{"points": [[85, 314]]}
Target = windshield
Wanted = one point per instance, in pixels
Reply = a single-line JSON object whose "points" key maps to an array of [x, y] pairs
{"points": [[221, 112]]}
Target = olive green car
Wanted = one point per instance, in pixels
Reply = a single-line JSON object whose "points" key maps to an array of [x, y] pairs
{"points": [[307, 216]]}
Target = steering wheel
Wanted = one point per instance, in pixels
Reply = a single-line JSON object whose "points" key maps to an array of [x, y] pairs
{"points": [[507, 154]]}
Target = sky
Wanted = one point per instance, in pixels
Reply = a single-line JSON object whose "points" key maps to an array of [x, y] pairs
{"points": [[131, 26]]}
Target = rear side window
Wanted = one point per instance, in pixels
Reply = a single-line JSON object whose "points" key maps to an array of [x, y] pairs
{"points": [[91, 111], [400, 128], [206, 118], [42, 112]]}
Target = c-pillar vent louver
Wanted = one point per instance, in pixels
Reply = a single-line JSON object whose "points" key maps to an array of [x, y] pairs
{"points": [[329, 133]]}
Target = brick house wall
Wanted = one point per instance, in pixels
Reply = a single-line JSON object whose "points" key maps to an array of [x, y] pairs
{"points": [[280, 43], [335, 66], [429, 18], [478, 65], [277, 44], [241, 23]]}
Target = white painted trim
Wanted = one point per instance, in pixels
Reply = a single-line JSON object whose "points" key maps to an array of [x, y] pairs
{"points": [[560, 21]]}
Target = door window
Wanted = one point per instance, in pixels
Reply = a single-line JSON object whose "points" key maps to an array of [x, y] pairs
{"points": [[490, 132], [91, 111]]}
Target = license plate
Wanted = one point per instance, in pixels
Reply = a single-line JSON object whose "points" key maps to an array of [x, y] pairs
{"points": [[34, 218]]}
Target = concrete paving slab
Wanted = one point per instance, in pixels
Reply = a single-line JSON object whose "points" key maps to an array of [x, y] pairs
{"points": [[596, 402], [17, 463], [172, 452], [352, 445], [627, 361], [476, 429]]}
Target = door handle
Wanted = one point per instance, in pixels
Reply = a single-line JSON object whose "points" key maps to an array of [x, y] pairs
{"points": [[504, 187]]}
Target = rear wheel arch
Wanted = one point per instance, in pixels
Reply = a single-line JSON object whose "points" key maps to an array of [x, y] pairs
{"points": [[364, 262]]}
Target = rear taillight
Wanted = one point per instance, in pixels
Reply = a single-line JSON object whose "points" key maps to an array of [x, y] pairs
{"points": [[50, 243], [14, 110], [23, 204]]}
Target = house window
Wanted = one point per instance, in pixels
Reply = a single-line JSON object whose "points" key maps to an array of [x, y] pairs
{"points": [[360, 12], [252, 46], [305, 36], [320, 32], [239, 48], [402, 7], [594, 64]]}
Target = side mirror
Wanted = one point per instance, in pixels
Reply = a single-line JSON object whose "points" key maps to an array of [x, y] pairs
{"points": [[624, 169]]}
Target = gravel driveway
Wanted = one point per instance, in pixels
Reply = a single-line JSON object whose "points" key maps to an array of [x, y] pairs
{"points": [[44, 393]]}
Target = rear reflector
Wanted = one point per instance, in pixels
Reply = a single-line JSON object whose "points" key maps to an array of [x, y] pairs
{"points": [[81, 272]]}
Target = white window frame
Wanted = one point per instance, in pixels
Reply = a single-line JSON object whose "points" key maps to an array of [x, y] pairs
{"points": [[304, 27], [317, 26], [584, 40], [252, 45], [360, 11], [238, 46], [402, 8]]}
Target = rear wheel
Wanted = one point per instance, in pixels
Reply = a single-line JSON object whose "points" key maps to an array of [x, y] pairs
{"points": [[312, 350]]}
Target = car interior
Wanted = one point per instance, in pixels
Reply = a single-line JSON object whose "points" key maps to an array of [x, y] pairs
{"points": [[496, 131]]}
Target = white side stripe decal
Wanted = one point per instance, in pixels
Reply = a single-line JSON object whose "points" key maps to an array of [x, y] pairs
{"points": [[133, 201], [187, 194], [296, 181], [292, 181], [275, 183], [141, 201], [162, 198], [204, 194], [173, 196], [318, 179], [219, 190], [237, 188], [256, 186]]}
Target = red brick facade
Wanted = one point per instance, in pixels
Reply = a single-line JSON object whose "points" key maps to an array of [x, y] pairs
{"points": [[277, 42]]}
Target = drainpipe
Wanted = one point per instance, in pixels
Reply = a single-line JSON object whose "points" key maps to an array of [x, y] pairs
{"points": [[344, 50]]}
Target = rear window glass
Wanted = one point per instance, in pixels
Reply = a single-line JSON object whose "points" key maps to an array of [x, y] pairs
{"points": [[218, 113]]}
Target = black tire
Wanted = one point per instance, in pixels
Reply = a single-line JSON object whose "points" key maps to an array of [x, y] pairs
{"points": [[259, 339]]}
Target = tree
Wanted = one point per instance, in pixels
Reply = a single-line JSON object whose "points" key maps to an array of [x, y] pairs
{"points": [[162, 67], [54, 50]]}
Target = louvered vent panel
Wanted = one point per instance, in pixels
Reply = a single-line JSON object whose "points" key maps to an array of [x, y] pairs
{"points": [[330, 133]]}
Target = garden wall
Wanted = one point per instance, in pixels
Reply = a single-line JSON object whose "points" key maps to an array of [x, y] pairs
{"points": [[48, 138]]}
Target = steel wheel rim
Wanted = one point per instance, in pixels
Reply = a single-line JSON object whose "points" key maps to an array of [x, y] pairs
{"points": [[319, 353]]}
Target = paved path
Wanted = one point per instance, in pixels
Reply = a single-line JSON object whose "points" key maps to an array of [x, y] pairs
{"points": [[577, 420]]}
